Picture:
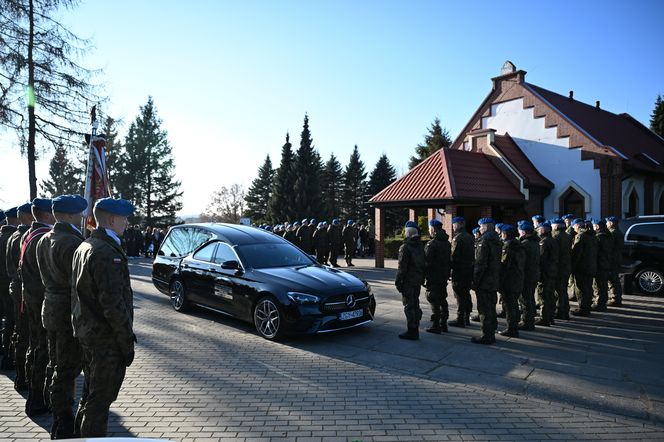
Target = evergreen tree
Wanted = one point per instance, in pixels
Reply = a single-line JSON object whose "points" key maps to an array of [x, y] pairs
{"points": [[148, 170], [307, 168], [657, 117], [331, 180], [437, 138], [380, 177], [354, 188], [280, 207], [65, 177], [260, 192]]}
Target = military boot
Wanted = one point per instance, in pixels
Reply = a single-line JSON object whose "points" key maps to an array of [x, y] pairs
{"points": [[412, 334], [62, 428], [460, 321], [35, 405], [435, 327], [484, 340], [509, 332]]}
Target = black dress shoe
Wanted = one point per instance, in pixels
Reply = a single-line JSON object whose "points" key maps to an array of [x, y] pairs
{"points": [[410, 335], [579, 312], [510, 333], [436, 329], [459, 322], [484, 340]]}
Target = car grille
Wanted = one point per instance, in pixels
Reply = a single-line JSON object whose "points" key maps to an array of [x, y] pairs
{"points": [[338, 303]]}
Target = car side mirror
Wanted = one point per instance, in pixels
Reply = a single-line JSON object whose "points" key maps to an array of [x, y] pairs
{"points": [[230, 265], [161, 253]]}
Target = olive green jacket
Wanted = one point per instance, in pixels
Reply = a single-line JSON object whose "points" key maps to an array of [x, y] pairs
{"points": [[33, 288], [463, 255], [604, 251], [412, 264], [5, 233], [437, 254], [531, 268], [618, 244], [486, 273], [584, 254], [548, 259], [512, 264], [564, 252]]}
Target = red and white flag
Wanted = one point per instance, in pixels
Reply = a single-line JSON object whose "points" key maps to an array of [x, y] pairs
{"points": [[97, 185]]}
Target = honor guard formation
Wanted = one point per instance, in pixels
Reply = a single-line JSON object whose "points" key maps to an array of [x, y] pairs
{"points": [[66, 307], [527, 268]]}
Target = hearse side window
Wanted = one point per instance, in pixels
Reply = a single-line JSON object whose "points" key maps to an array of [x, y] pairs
{"points": [[647, 232], [183, 240], [224, 253], [206, 253]]}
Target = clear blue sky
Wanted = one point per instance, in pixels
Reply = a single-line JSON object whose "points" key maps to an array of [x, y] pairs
{"points": [[229, 79]]}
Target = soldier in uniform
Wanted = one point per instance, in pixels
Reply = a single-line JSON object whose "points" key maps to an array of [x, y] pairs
{"points": [[530, 242], [21, 336], [349, 237], [6, 232], [289, 234], [568, 218], [462, 256], [548, 275], [437, 272], [320, 242], [584, 266], [103, 313], [304, 237], [537, 220], [511, 278], [55, 252], [334, 237], [476, 235], [615, 287], [604, 265], [33, 297], [410, 277], [486, 274], [564, 267]]}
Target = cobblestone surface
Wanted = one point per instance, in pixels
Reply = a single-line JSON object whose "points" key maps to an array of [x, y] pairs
{"points": [[205, 377]]}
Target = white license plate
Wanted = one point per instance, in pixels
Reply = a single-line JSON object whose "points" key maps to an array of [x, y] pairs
{"points": [[345, 316]]}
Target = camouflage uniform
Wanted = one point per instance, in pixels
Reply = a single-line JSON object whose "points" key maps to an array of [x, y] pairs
{"points": [[511, 281], [486, 280], [33, 296], [437, 272], [584, 266], [604, 266], [349, 236], [463, 255], [409, 279], [102, 318], [531, 272], [548, 278], [564, 271], [321, 245], [6, 300], [21, 336], [55, 252], [334, 236], [614, 280]]}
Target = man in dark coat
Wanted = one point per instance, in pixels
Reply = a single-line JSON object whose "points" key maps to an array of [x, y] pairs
{"points": [[409, 279], [548, 275], [103, 312], [604, 265], [304, 237], [486, 279], [33, 297], [531, 271], [511, 278], [334, 237], [437, 254], [584, 266], [321, 243], [55, 252], [349, 237], [290, 235], [21, 336], [462, 257], [615, 288], [5, 298], [564, 268]]}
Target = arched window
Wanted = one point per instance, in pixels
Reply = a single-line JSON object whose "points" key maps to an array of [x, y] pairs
{"points": [[572, 201], [633, 209]]}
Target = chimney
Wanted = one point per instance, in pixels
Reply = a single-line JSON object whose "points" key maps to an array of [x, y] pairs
{"points": [[571, 95], [597, 104]]}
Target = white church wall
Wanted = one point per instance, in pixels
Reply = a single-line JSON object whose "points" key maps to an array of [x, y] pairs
{"points": [[634, 183], [550, 154]]}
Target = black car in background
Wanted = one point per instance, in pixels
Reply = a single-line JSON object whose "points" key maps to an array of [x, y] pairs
{"points": [[258, 277], [643, 254]]}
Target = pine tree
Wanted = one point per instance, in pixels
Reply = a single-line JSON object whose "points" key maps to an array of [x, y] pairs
{"points": [[354, 188], [280, 207], [65, 178], [307, 167], [331, 180], [260, 192], [380, 177], [657, 117], [148, 170], [437, 138]]}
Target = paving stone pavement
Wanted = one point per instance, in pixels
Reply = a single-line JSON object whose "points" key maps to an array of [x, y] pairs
{"points": [[205, 377]]}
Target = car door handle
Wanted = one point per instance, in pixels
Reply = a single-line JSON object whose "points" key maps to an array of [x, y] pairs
{"points": [[223, 278]]}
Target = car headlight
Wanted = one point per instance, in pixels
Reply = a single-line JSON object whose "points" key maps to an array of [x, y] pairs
{"points": [[303, 298], [368, 286]]}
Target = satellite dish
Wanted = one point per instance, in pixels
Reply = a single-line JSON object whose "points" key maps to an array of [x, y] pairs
{"points": [[508, 68]]}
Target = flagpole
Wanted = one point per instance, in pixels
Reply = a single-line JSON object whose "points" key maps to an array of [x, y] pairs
{"points": [[89, 171]]}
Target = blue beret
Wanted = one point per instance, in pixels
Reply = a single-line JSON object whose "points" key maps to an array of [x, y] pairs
{"points": [[599, 221], [296, 223], [313, 221], [506, 227], [11, 213], [2, 215], [118, 207], [306, 220], [45, 204], [578, 221], [545, 224], [458, 219], [557, 221], [335, 221], [526, 226], [349, 222], [486, 221], [538, 218], [476, 230], [568, 216], [499, 225], [25, 208], [612, 219], [435, 223], [69, 204], [411, 224]]}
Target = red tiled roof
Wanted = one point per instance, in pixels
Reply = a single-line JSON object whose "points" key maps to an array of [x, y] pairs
{"points": [[620, 131], [450, 174], [513, 154]]}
